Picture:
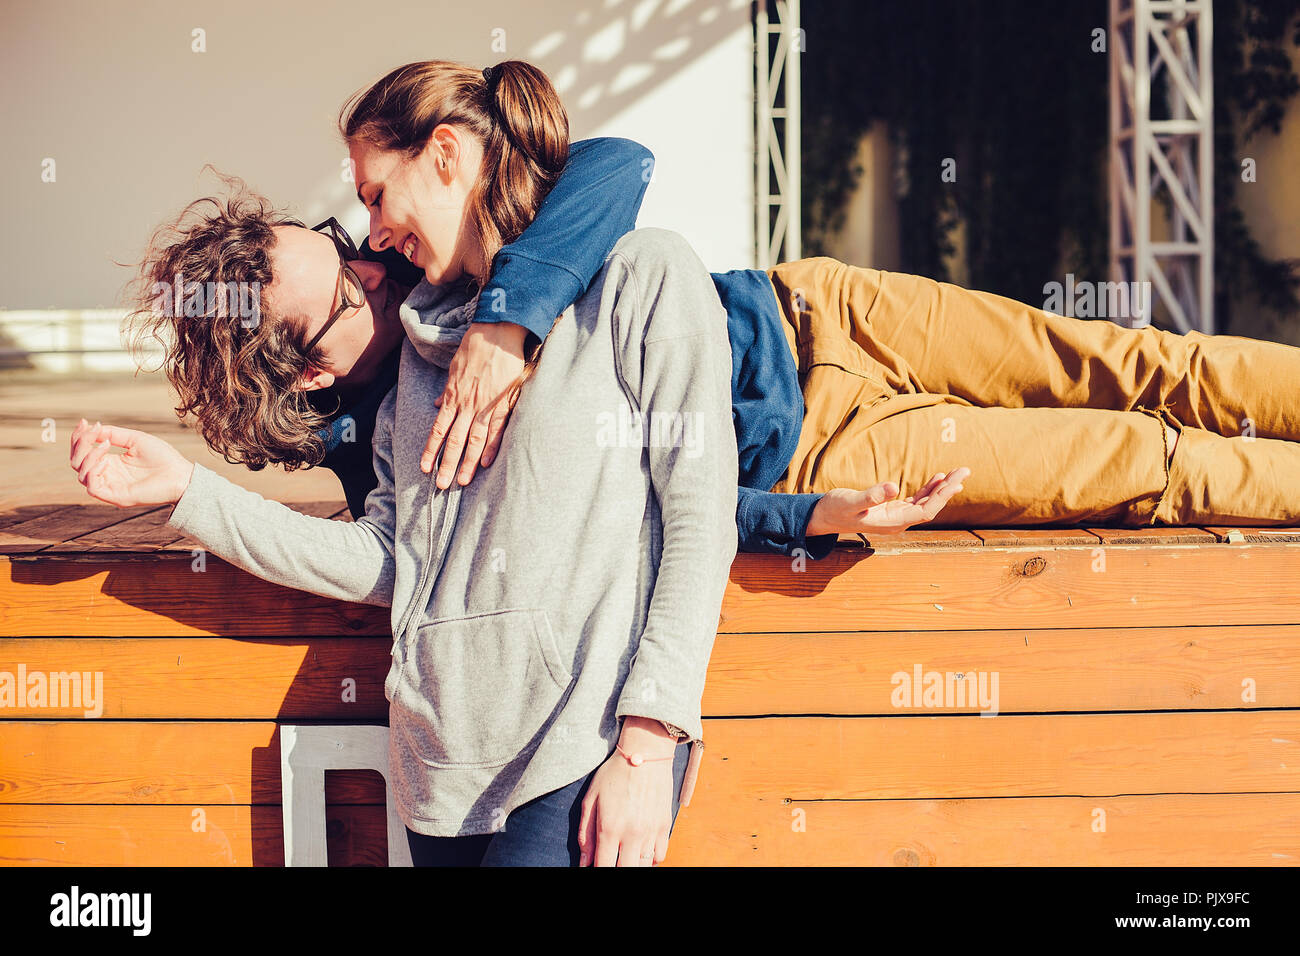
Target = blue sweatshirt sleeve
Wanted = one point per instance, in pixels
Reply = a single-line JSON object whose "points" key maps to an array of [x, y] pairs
{"points": [[767, 521], [591, 206]]}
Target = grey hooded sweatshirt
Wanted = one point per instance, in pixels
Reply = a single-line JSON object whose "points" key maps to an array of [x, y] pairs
{"points": [[575, 581]]}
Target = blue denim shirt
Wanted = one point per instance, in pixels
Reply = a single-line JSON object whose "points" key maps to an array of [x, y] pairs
{"points": [[536, 277]]}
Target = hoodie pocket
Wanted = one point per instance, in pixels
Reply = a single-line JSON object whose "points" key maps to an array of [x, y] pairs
{"points": [[474, 691]]}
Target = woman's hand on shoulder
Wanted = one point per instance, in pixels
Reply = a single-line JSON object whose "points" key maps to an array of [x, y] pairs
{"points": [[482, 388], [878, 509], [148, 472]]}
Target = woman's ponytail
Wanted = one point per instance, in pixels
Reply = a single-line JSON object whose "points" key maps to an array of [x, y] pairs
{"points": [[524, 154], [529, 112]]}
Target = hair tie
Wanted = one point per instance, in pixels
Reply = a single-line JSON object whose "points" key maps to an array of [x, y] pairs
{"points": [[491, 74]]}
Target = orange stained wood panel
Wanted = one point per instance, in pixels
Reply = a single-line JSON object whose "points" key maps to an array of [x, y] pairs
{"points": [[799, 758], [988, 587], [1170, 829], [1148, 690], [89, 835], [308, 678], [960, 755], [848, 673], [1025, 671], [908, 589], [1248, 829], [166, 595]]}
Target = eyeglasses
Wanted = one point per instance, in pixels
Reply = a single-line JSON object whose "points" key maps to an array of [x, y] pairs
{"points": [[352, 295]]}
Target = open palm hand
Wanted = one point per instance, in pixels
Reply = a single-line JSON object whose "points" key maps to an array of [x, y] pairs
{"points": [[878, 510]]}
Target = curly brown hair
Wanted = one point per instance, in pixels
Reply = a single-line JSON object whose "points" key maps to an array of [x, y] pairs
{"points": [[240, 381]]}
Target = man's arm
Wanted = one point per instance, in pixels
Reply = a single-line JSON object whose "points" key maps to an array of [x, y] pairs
{"points": [[778, 523], [591, 206]]}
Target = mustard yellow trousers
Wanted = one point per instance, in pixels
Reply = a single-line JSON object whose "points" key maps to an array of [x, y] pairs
{"points": [[1059, 419]]}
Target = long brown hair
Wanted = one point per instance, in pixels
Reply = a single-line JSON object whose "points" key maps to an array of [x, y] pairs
{"points": [[514, 111]]}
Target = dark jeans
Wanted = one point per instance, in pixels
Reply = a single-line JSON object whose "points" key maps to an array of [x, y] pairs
{"points": [[541, 832]]}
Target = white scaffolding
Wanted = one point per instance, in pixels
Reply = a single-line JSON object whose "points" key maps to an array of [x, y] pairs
{"points": [[1176, 151], [776, 67]]}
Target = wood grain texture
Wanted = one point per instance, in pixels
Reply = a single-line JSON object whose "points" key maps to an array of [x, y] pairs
{"points": [[964, 756], [14, 516], [846, 673], [909, 589], [1249, 829], [1036, 537], [1248, 535], [1038, 671], [340, 679], [88, 835], [1148, 699], [131, 596], [943, 590], [798, 758], [923, 539], [1154, 535], [58, 525]]}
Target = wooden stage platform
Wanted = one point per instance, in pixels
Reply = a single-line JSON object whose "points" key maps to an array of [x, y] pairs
{"points": [[1145, 682]]}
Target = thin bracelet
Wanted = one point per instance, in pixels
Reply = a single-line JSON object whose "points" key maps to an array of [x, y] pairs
{"points": [[637, 759]]}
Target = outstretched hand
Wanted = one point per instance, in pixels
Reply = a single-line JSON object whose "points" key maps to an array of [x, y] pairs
{"points": [[878, 510], [481, 391], [148, 472]]}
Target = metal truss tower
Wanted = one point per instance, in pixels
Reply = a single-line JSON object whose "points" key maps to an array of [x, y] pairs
{"points": [[1170, 147], [777, 48]]}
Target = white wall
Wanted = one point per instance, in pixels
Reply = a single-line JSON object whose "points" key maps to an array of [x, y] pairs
{"points": [[114, 94]]}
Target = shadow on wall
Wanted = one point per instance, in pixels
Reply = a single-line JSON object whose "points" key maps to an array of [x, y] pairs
{"points": [[127, 112], [601, 62]]}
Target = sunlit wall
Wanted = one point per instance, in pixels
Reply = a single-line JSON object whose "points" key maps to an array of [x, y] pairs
{"points": [[129, 108]]}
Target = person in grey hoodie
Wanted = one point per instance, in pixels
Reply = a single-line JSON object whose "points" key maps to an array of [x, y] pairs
{"points": [[546, 615], [578, 581]]}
